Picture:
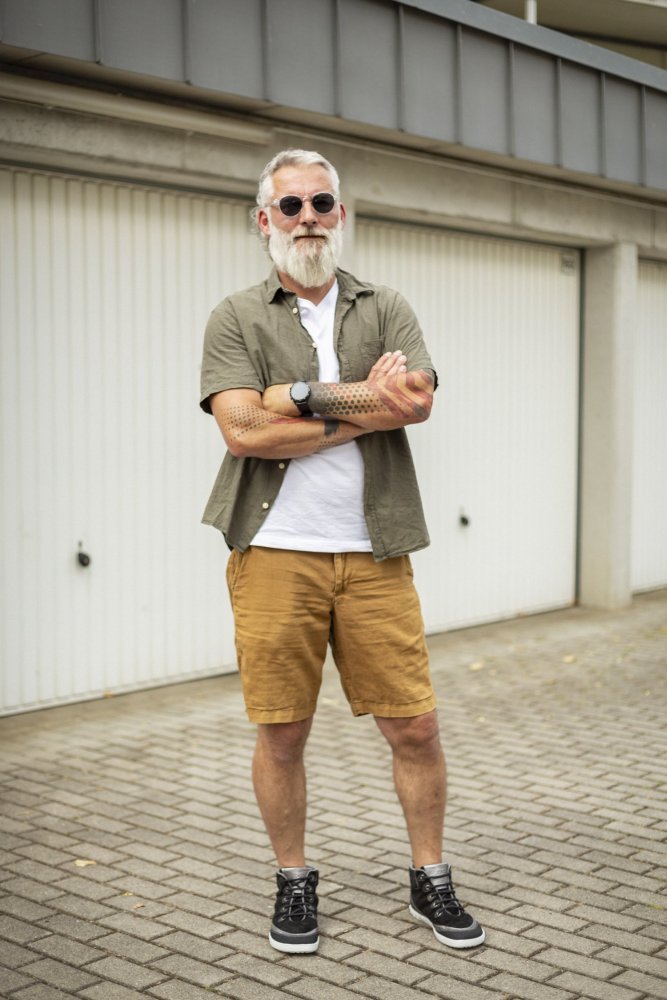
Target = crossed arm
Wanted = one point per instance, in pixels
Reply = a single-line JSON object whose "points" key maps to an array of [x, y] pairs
{"points": [[269, 425]]}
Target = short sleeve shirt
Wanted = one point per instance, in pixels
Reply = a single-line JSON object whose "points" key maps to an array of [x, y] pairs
{"points": [[254, 339]]}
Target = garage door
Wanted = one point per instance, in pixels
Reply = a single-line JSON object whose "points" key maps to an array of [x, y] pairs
{"points": [[497, 461], [649, 479], [105, 291]]}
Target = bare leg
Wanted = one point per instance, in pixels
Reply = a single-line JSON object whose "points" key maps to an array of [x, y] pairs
{"points": [[279, 779], [421, 781]]}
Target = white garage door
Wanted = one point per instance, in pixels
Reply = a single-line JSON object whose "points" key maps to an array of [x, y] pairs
{"points": [[497, 461], [649, 479], [105, 291]]}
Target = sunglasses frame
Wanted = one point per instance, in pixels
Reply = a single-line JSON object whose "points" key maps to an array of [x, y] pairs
{"points": [[310, 198]]}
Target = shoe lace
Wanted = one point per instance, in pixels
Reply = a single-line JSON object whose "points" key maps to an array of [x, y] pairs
{"points": [[297, 899], [440, 893]]}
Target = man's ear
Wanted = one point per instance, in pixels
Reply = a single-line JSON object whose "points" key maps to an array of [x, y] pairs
{"points": [[263, 222], [342, 213]]}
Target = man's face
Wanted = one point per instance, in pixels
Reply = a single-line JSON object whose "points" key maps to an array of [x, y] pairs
{"points": [[306, 246]]}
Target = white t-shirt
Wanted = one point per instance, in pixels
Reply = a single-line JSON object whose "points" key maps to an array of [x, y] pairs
{"points": [[320, 506]]}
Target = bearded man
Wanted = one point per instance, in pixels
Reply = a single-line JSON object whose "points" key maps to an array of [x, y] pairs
{"points": [[312, 377]]}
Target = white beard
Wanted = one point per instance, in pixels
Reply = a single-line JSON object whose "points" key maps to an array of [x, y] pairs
{"points": [[310, 263]]}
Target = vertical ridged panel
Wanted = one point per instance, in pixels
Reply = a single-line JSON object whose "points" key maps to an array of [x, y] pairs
{"points": [[649, 478], [501, 321], [104, 293]]}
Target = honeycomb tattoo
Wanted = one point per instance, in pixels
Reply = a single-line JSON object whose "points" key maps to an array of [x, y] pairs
{"points": [[406, 395], [239, 420]]}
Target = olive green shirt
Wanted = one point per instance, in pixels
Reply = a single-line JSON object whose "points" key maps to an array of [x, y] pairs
{"points": [[255, 339]]}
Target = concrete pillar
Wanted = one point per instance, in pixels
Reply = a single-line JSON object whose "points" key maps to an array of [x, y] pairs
{"points": [[610, 317]]}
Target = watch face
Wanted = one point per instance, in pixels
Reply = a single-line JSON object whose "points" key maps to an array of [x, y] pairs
{"points": [[300, 392]]}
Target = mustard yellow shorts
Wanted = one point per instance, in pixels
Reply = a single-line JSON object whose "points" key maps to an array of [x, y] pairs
{"points": [[289, 605]]}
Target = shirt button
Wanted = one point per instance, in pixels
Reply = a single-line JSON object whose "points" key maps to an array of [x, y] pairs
{"points": [[281, 465], [295, 311], [265, 506]]}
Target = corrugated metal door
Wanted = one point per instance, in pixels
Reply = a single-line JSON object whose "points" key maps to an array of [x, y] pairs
{"points": [[497, 461], [649, 474], [105, 291]]}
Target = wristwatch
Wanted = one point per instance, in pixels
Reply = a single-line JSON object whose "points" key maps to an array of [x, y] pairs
{"points": [[300, 394]]}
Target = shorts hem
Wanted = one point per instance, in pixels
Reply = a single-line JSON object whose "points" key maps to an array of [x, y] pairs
{"points": [[268, 715], [388, 710]]}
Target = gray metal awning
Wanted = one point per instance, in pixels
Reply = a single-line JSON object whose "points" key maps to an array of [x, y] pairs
{"points": [[447, 76]]}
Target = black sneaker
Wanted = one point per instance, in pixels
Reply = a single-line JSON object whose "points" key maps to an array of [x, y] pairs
{"points": [[434, 902], [294, 927]]}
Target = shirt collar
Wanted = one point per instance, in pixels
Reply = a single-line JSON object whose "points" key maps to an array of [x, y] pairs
{"points": [[349, 287]]}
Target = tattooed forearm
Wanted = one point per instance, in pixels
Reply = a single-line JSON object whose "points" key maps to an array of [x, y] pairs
{"points": [[250, 430], [242, 419], [337, 432], [406, 396]]}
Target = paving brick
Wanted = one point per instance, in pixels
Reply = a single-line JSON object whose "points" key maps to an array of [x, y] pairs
{"points": [[630, 958], [649, 985], [192, 923], [200, 973], [271, 973], [85, 909], [19, 931], [381, 965], [465, 966], [66, 950], [41, 992], [197, 904], [585, 964], [133, 948], [126, 973], [453, 989], [609, 918], [177, 989], [338, 972], [310, 989], [11, 980], [24, 909], [526, 989], [362, 937], [384, 989], [58, 974], [112, 991], [195, 947], [584, 986], [610, 935]]}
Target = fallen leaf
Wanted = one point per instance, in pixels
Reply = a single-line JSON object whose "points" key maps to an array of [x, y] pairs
{"points": [[480, 718], [128, 894], [83, 863], [477, 665], [137, 906], [569, 659]]}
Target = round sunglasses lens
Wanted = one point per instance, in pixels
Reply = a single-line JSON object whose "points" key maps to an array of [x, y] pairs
{"points": [[323, 203], [290, 205]]}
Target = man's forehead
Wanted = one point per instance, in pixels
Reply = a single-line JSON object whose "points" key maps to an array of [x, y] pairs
{"points": [[302, 176]]}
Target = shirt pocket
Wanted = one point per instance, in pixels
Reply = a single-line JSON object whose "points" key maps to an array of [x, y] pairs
{"points": [[361, 357]]}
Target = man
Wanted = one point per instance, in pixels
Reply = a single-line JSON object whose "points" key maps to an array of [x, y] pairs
{"points": [[312, 377]]}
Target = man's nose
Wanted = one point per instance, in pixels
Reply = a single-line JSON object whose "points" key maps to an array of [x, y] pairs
{"points": [[307, 215]]}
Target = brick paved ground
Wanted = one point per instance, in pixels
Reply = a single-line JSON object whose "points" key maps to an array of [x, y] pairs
{"points": [[133, 862]]}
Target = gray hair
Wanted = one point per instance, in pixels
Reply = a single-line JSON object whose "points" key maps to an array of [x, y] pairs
{"points": [[291, 158]]}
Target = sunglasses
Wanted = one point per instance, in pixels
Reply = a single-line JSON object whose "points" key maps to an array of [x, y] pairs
{"points": [[290, 205]]}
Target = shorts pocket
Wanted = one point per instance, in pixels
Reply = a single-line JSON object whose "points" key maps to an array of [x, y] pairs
{"points": [[233, 568]]}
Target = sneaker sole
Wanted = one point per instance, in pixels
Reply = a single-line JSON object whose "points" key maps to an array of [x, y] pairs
{"points": [[450, 942], [304, 948]]}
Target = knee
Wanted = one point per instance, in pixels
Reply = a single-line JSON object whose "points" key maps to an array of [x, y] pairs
{"points": [[418, 736], [283, 742]]}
